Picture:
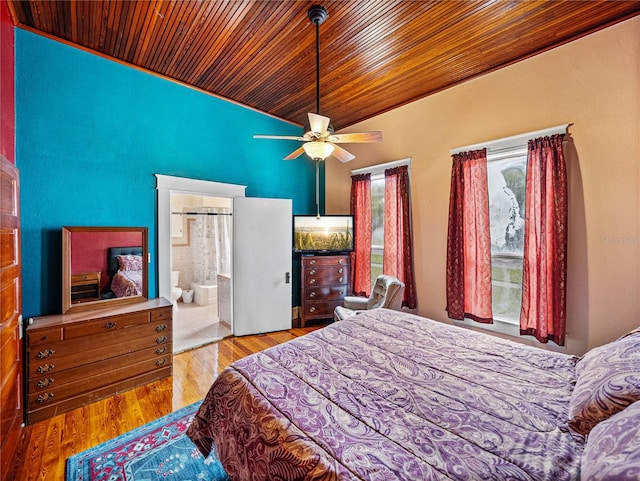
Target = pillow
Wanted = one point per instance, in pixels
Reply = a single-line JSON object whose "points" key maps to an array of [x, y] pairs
{"points": [[607, 381], [612, 451], [130, 263]]}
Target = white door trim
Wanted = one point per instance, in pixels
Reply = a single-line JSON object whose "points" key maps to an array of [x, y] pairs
{"points": [[165, 184]]}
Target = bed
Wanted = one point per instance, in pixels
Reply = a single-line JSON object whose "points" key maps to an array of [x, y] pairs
{"points": [[125, 271], [386, 395]]}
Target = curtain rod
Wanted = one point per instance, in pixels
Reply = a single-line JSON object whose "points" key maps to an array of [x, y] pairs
{"points": [[382, 167], [514, 140]]}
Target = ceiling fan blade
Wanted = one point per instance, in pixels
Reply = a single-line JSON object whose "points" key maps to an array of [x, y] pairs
{"points": [[318, 123], [278, 137], [375, 136], [342, 155], [296, 153]]}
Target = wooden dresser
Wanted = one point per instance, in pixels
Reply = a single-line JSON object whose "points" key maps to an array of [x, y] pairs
{"points": [[325, 282], [78, 358]]}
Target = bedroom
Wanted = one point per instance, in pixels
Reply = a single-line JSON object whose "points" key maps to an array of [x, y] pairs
{"points": [[591, 83]]}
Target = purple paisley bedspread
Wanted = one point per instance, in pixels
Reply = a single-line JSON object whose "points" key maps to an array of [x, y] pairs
{"points": [[127, 283], [391, 396]]}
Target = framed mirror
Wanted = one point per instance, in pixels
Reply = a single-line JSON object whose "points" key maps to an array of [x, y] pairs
{"points": [[103, 266]]}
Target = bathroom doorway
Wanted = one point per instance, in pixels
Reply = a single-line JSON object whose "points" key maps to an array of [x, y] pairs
{"points": [[201, 260]]}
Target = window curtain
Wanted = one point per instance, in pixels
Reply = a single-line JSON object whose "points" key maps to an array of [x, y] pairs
{"points": [[543, 313], [361, 256], [468, 241], [398, 237]]}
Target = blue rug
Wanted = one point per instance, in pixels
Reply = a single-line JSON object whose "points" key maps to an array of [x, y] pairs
{"points": [[158, 450]]}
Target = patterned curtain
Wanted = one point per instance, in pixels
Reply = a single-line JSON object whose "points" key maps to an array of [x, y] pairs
{"points": [[468, 241], [398, 237], [361, 256], [543, 313], [211, 244]]}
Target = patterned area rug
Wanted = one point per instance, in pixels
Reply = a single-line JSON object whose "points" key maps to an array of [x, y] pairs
{"points": [[158, 450]]}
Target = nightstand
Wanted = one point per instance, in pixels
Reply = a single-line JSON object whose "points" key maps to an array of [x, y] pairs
{"points": [[85, 286]]}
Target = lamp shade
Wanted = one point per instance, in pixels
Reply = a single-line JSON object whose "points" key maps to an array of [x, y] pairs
{"points": [[318, 150]]}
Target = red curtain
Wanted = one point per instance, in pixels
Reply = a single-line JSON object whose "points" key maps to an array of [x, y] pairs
{"points": [[361, 256], [543, 313], [468, 242], [398, 237]]}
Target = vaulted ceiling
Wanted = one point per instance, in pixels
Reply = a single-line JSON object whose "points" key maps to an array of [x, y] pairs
{"points": [[375, 55]]}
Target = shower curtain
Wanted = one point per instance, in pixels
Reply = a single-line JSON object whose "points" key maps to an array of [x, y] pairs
{"points": [[211, 244]]}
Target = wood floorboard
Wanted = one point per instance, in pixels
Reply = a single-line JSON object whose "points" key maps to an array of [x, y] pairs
{"points": [[44, 447]]}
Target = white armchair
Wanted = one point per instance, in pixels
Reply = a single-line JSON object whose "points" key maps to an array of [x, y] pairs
{"points": [[387, 292]]}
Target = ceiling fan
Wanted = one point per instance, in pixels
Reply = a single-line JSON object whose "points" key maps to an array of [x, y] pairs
{"points": [[318, 137]]}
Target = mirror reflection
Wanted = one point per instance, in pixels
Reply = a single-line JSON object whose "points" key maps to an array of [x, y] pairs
{"points": [[103, 264]]}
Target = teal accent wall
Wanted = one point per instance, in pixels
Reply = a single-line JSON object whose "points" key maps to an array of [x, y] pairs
{"points": [[90, 135]]}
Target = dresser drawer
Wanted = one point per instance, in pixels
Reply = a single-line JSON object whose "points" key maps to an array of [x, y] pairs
{"points": [[321, 309], [329, 293], [44, 336], [321, 276], [161, 314], [106, 324], [311, 261]]}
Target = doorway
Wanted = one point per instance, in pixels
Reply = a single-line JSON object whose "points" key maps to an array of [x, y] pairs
{"points": [[174, 231], [201, 250], [257, 295]]}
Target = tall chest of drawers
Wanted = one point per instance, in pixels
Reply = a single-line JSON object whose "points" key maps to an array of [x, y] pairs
{"points": [[325, 282], [75, 359]]}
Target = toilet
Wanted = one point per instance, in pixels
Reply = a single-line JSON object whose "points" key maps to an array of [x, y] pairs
{"points": [[176, 292]]}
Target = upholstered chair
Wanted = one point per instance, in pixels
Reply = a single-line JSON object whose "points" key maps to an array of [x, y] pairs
{"points": [[387, 292]]}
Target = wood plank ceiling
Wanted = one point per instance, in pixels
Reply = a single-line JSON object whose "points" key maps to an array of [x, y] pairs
{"points": [[375, 54]]}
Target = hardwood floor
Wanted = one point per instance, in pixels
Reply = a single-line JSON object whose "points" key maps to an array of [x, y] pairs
{"points": [[45, 446]]}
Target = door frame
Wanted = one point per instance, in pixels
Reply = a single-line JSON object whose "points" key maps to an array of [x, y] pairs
{"points": [[165, 185]]}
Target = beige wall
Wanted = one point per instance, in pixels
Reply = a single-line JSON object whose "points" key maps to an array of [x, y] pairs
{"points": [[592, 83]]}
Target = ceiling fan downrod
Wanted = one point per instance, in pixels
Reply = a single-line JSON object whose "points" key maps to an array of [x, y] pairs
{"points": [[317, 14]]}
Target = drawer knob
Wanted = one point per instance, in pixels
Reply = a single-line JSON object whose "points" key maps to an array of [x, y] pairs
{"points": [[312, 281], [44, 397], [312, 294], [312, 262], [162, 361], [340, 280], [45, 354], [45, 382], [312, 272], [340, 261], [45, 368], [340, 271], [313, 309], [161, 350], [161, 339], [110, 325], [161, 327]]}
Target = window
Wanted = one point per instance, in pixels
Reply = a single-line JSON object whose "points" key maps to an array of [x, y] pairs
{"points": [[378, 213], [377, 225], [380, 200], [526, 271], [506, 179]]}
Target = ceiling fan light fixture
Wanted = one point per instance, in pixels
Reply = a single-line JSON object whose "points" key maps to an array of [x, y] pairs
{"points": [[318, 150]]}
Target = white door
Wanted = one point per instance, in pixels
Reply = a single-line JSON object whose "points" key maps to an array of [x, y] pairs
{"points": [[261, 265]]}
